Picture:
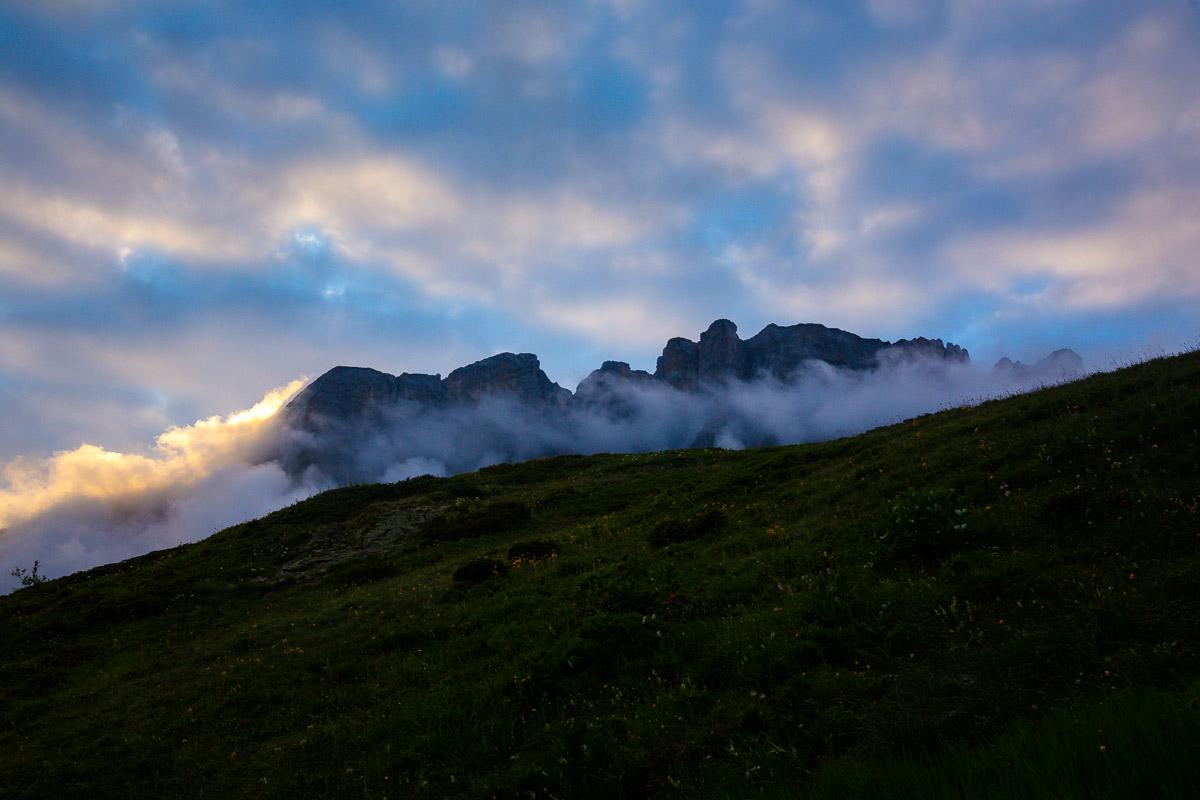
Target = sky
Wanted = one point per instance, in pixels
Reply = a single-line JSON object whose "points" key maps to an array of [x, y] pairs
{"points": [[203, 201]]}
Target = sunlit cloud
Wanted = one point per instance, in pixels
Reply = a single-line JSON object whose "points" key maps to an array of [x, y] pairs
{"points": [[180, 456]]}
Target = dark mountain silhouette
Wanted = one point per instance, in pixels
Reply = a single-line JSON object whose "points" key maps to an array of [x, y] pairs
{"points": [[345, 393]]}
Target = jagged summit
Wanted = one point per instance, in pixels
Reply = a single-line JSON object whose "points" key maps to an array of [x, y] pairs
{"points": [[517, 375], [720, 356], [348, 392]]}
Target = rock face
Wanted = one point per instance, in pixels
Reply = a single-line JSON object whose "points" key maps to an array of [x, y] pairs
{"points": [[515, 375], [354, 393], [606, 388], [720, 353], [679, 364], [357, 394], [350, 392], [611, 376], [721, 356]]}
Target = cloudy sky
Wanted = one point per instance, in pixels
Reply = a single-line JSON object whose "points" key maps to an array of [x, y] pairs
{"points": [[200, 201]]}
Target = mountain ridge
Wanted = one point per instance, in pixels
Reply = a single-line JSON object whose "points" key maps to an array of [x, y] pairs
{"points": [[720, 356]]}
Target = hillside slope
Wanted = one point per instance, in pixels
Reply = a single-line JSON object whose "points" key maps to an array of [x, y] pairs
{"points": [[999, 601]]}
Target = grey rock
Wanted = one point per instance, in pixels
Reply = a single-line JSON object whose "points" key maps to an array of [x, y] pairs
{"points": [[720, 354], [611, 376], [348, 392], [607, 387], [781, 351], [515, 375], [679, 364]]}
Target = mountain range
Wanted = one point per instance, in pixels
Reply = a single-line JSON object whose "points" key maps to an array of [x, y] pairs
{"points": [[718, 358]]}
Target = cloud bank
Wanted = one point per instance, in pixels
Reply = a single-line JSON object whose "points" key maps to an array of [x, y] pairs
{"points": [[92, 506]]}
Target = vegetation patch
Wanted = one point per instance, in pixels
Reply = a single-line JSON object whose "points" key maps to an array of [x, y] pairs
{"points": [[532, 551], [480, 570], [471, 520], [686, 529]]}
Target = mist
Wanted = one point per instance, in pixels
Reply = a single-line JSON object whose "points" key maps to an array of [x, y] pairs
{"points": [[89, 506]]}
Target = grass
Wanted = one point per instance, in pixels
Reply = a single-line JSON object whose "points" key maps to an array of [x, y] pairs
{"points": [[967, 604]]}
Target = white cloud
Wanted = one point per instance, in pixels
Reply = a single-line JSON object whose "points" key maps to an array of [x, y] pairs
{"points": [[1146, 249]]}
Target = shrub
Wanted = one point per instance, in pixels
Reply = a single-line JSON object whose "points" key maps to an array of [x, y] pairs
{"points": [[29, 577], [479, 570], [672, 531], [478, 521]]}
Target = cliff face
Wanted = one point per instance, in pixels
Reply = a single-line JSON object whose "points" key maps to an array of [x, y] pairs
{"points": [[346, 394], [779, 351], [518, 376], [351, 393]]}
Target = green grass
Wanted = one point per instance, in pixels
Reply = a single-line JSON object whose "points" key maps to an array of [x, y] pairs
{"points": [[967, 604]]}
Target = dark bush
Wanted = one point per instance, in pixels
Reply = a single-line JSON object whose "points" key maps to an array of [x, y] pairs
{"points": [[361, 570], [478, 521], [479, 570], [532, 550], [671, 531]]}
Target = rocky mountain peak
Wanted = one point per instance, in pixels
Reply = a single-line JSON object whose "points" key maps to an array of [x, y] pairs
{"points": [[515, 375], [356, 393], [720, 354]]}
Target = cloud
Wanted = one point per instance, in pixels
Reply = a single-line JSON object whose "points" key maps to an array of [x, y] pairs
{"points": [[1145, 250], [180, 455]]}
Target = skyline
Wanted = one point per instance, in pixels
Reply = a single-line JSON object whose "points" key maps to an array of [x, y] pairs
{"points": [[203, 202]]}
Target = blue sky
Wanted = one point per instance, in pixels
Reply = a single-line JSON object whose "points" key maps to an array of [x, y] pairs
{"points": [[200, 201]]}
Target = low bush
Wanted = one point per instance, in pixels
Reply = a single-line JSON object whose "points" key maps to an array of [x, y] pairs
{"points": [[673, 531], [479, 570], [474, 521]]}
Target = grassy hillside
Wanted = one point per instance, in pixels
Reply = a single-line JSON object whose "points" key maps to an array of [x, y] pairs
{"points": [[994, 602]]}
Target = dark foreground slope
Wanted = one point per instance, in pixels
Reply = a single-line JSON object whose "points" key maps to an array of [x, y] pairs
{"points": [[1001, 601]]}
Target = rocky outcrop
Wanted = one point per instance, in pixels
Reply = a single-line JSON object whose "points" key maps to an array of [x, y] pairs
{"points": [[720, 354], [612, 375], [515, 375], [355, 394], [779, 351], [679, 364], [608, 387], [345, 393]]}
